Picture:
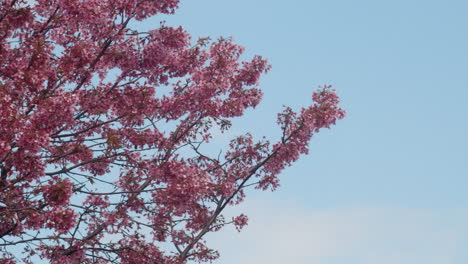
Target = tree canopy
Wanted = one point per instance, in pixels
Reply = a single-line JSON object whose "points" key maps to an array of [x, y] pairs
{"points": [[97, 164]]}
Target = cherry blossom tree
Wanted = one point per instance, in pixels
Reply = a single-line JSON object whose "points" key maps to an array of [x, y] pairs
{"points": [[102, 129]]}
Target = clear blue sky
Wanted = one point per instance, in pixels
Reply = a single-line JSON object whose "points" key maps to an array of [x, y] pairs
{"points": [[389, 183]]}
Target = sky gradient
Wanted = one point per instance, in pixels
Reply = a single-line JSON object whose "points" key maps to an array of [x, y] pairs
{"points": [[388, 183]]}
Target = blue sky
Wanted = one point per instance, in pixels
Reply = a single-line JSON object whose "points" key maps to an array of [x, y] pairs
{"points": [[388, 183]]}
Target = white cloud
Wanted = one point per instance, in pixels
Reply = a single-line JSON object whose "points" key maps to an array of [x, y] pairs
{"points": [[287, 233]]}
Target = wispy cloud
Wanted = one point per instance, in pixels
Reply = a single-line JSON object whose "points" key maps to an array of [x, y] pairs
{"points": [[288, 233]]}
